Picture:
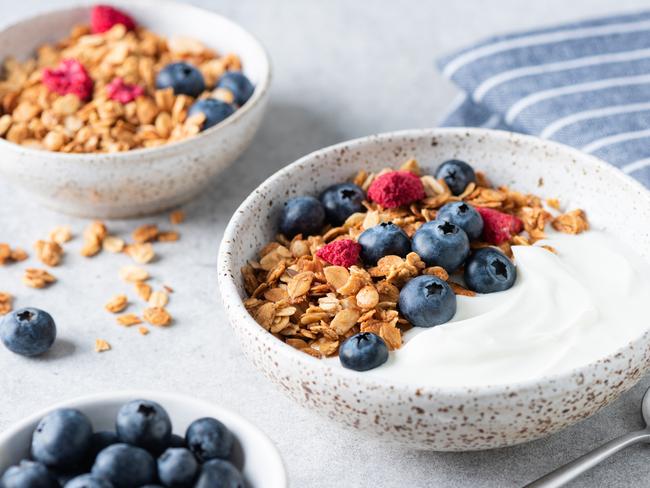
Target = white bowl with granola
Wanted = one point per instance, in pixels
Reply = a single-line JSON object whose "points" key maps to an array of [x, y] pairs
{"points": [[118, 113], [557, 341]]}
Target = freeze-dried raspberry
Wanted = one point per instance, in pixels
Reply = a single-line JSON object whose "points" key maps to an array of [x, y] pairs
{"points": [[68, 77], [123, 92], [395, 189], [343, 252], [104, 17], [499, 227]]}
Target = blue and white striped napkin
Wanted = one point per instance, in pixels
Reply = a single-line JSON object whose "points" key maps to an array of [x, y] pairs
{"points": [[586, 84]]}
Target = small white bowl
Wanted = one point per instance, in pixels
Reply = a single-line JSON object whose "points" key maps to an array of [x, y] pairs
{"points": [[459, 417], [141, 181], [263, 466]]}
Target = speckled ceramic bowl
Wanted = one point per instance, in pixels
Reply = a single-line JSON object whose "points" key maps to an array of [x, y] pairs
{"points": [[260, 459], [457, 418], [141, 181]]}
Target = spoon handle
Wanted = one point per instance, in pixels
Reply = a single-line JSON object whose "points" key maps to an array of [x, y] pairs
{"points": [[571, 470]]}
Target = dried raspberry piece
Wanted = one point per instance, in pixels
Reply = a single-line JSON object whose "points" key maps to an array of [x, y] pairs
{"points": [[69, 76], [395, 189], [123, 92], [343, 252], [104, 17], [498, 227]]}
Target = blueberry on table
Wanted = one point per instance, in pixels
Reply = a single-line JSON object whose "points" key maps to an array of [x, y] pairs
{"points": [[219, 474], [215, 111], [62, 438], [441, 243], [182, 77], [28, 331], [426, 301], [125, 466], [464, 216], [88, 481], [237, 84], [489, 270], [28, 474], [145, 424], [302, 215], [457, 174], [363, 351], [383, 240], [209, 439], [177, 468], [342, 200]]}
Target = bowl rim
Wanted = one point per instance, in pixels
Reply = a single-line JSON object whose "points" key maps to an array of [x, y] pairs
{"points": [[230, 296], [259, 93], [229, 417]]}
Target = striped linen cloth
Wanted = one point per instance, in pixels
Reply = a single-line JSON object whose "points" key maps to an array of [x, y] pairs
{"points": [[585, 84]]}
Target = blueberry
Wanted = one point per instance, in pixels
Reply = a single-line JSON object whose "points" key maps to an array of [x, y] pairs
{"points": [[302, 215], [237, 84], [209, 439], [28, 331], [176, 441], [441, 243], [363, 351], [182, 77], [28, 474], [145, 424], [464, 216], [457, 174], [489, 270], [214, 110], [383, 240], [219, 474], [62, 438], [125, 466], [426, 301], [341, 201], [88, 481], [99, 441], [177, 468]]}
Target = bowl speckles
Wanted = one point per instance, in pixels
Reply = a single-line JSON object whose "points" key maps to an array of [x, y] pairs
{"points": [[420, 416], [141, 181]]}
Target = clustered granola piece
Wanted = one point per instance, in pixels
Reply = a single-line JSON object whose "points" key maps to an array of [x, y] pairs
{"points": [[95, 91], [314, 306], [9, 255]]}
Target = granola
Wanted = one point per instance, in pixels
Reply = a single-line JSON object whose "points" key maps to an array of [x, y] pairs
{"points": [[314, 305], [95, 91]]}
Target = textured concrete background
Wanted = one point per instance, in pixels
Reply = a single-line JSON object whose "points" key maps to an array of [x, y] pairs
{"points": [[342, 70]]}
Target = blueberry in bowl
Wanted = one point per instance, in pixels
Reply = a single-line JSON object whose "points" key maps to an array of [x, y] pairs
{"points": [[342, 200], [427, 301], [363, 351], [67, 444], [238, 84], [181, 77], [464, 216], [214, 110], [302, 215], [383, 240], [457, 174], [488, 270], [441, 243]]}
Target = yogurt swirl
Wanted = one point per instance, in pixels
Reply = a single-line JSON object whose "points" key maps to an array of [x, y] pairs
{"points": [[564, 311]]}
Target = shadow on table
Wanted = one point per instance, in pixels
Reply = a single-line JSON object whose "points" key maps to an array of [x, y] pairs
{"points": [[288, 132]]}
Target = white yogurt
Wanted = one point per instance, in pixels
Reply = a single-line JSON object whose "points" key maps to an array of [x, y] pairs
{"points": [[564, 311]]}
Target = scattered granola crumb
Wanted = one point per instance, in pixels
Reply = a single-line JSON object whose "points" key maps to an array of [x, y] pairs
{"points": [[8, 255], [141, 253], [18, 254], [61, 234], [143, 330], [157, 316], [113, 244], [177, 217], [158, 299], [6, 302], [553, 203], [48, 252], [133, 274], [128, 319], [143, 290], [101, 345], [145, 233], [37, 278], [94, 236], [117, 304], [168, 236]]}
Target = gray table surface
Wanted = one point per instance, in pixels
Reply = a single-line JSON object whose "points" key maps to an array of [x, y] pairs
{"points": [[342, 70]]}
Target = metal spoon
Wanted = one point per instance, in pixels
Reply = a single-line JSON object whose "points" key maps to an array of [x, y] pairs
{"points": [[572, 470]]}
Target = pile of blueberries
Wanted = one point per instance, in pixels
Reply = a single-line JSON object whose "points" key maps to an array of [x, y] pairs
{"points": [[141, 453], [186, 79], [425, 301]]}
